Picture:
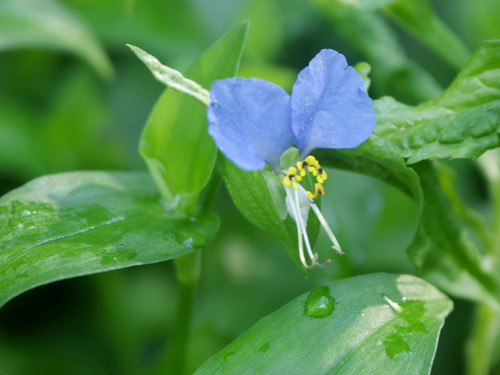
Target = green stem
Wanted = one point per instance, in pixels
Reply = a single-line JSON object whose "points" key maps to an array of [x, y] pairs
{"points": [[482, 342], [174, 360], [188, 269]]}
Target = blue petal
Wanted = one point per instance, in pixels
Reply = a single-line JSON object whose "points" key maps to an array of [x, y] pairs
{"points": [[249, 120], [330, 107]]}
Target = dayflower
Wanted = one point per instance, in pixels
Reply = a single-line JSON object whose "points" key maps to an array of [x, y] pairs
{"points": [[253, 122]]}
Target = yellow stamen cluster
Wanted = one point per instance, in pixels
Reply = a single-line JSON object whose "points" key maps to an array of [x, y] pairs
{"points": [[311, 165]]}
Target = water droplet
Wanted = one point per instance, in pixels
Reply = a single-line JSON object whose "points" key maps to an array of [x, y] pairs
{"points": [[228, 356], [191, 239], [116, 257], [264, 348], [319, 303]]}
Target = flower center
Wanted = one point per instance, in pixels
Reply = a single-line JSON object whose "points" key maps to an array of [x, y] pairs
{"points": [[308, 165], [299, 201]]}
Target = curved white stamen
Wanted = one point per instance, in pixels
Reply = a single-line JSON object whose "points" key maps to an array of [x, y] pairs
{"points": [[304, 229], [295, 207], [326, 227]]}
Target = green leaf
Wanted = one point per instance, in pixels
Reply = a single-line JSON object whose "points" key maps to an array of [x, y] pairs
{"points": [[78, 223], [419, 17], [442, 250], [380, 324], [175, 143], [464, 122], [49, 24], [260, 197]]}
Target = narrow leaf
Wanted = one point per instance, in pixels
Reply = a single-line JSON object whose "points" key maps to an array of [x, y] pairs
{"points": [[420, 19], [371, 324], [172, 77], [78, 223]]}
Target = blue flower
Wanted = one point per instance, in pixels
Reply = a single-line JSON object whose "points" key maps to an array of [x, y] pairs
{"points": [[254, 121]]}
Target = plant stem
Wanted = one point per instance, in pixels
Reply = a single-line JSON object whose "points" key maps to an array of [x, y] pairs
{"points": [[188, 269], [481, 344], [482, 347], [174, 360]]}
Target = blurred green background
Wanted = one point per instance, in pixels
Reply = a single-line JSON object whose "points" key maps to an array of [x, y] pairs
{"points": [[74, 97]]}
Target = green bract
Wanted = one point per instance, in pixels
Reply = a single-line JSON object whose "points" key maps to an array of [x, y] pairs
{"points": [[175, 143]]}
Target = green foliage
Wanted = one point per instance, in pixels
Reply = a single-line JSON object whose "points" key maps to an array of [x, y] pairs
{"points": [[393, 71], [463, 122], [391, 320], [175, 143], [419, 17], [78, 223], [47, 23], [56, 114]]}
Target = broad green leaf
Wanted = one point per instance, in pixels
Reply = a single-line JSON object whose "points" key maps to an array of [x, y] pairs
{"points": [[175, 143], [380, 324], [370, 33], [463, 122], [78, 223], [49, 24], [260, 197]]}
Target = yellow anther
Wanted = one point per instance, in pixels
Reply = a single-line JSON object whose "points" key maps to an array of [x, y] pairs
{"points": [[311, 160], [295, 174], [322, 173], [319, 189]]}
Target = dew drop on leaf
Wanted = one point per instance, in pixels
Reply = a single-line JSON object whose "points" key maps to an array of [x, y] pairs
{"points": [[191, 239], [319, 303], [264, 348]]}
